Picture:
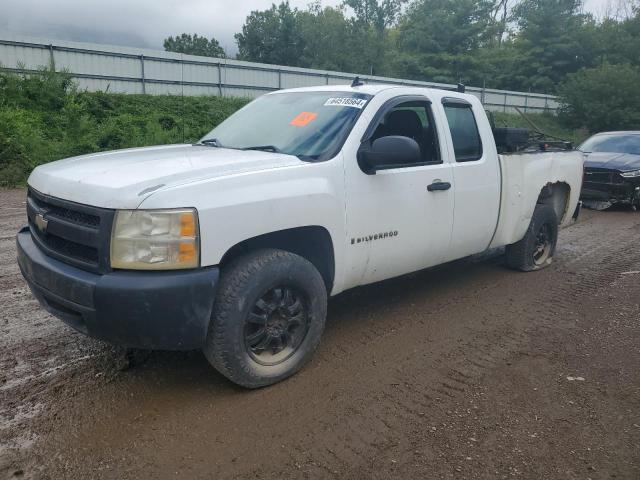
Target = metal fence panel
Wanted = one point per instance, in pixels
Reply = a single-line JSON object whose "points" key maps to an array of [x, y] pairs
{"points": [[201, 90], [91, 64], [265, 79], [132, 70], [106, 85], [517, 100], [156, 88], [161, 70], [475, 94], [292, 80], [241, 92], [335, 80], [18, 56], [200, 73]]}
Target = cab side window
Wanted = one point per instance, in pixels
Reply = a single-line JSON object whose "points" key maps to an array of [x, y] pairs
{"points": [[464, 132], [413, 120]]}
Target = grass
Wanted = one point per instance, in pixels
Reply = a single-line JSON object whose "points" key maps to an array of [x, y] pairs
{"points": [[44, 118]]}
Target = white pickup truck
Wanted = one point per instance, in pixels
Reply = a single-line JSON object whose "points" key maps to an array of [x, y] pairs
{"points": [[233, 244]]}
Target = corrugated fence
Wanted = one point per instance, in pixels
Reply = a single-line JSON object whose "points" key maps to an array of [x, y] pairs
{"points": [[133, 70]]}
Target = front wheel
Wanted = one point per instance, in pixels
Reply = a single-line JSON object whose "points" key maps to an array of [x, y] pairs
{"points": [[267, 319], [536, 249]]}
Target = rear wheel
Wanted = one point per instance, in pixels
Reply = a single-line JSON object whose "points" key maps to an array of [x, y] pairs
{"points": [[268, 317], [536, 249]]}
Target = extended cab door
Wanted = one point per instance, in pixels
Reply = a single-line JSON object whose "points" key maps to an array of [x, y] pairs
{"points": [[476, 176], [395, 223]]}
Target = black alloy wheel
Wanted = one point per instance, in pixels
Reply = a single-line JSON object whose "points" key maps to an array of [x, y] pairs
{"points": [[276, 325], [268, 317]]}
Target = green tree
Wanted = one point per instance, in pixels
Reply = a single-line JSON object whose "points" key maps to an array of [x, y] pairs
{"points": [[552, 41], [322, 30], [438, 39], [616, 41], [194, 45], [379, 14], [602, 98], [369, 28], [272, 36]]}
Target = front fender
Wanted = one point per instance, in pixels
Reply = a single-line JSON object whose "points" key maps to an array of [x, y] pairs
{"points": [[239, 207]]}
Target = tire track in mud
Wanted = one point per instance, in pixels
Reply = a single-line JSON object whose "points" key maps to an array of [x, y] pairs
{"points": [[554, 312], [408, 399]]}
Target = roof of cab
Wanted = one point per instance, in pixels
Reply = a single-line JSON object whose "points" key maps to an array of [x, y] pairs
{"points": [[369, 89], [374, 89]]}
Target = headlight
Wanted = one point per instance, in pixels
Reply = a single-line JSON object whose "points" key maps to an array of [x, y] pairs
{"points": [[631, 174], [155, 239]]}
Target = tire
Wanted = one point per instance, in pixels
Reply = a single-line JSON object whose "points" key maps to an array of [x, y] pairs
{"points": [[266, 300], [526, 255]]}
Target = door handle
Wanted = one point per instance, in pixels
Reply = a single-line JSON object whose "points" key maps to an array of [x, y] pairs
{"points": [[438, 185]]}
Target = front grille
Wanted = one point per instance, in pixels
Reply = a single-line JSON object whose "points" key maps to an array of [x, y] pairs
{"points": [[71, 232], [74, 216], [70, 249], [609, 177]]}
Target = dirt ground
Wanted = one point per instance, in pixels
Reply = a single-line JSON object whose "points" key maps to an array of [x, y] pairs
{"points": [[467, 370]]}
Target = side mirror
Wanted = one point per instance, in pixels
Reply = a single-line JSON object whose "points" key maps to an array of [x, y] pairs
{"points": [[389, 152]]}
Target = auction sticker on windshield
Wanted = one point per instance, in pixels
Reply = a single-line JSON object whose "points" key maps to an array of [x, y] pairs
{"points": [[345, 102]]}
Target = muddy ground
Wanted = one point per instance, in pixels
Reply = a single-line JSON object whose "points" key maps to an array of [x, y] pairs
{"points": [[468, 370]]}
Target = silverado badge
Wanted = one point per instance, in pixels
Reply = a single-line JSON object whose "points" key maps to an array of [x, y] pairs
{"points": [[377, 236]]}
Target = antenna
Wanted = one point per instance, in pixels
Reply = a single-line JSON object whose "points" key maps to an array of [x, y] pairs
{"points": [[357, 82], [461, 87]]}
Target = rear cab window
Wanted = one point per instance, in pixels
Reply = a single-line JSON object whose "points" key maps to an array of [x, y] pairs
{"points": [[465, 136]]}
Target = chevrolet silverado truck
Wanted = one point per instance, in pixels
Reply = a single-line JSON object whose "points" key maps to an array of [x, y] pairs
{"points": [[232, 245]]}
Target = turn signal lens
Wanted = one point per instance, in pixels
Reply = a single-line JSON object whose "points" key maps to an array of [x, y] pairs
{"points": [[155, 239], [187, 225], [187, 253]]}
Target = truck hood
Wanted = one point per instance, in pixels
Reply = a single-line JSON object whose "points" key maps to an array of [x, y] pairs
{"points": [[622, 162], [124, 178]]}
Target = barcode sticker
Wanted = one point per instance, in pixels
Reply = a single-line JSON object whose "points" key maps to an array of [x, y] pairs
{"points": [[345, 102]]}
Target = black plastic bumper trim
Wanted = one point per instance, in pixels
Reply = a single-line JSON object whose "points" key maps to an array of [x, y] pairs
{"points": [[152, 310]]}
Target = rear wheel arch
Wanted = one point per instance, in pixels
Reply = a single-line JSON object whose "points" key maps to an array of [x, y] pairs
{"points": [[313, 243], [557, 196]]}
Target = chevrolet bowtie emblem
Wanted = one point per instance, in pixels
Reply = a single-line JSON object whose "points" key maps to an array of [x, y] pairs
{"points": [[41, 222]]}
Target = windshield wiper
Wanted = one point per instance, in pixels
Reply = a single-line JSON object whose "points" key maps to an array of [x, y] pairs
{"points": [[266, 148], [210, 142]]}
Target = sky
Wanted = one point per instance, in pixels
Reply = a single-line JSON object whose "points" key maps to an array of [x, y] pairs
{"points": [[144, 23]]}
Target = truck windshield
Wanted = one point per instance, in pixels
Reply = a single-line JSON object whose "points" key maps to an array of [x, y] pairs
{"points": [[612, 143], [310, 125]]}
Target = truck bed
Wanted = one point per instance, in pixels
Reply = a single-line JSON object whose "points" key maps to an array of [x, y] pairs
{"points": [[524, 176]]}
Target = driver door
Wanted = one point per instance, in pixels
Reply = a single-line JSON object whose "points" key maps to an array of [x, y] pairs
{"points": [[394, 222]]}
